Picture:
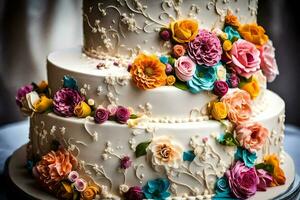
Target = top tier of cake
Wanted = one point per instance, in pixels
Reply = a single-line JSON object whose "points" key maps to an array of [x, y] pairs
{"points": [[125, 27]]}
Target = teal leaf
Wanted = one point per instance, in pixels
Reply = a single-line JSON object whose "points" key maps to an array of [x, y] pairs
{"points": [[141, 149], [181, 85], [188, 156]]}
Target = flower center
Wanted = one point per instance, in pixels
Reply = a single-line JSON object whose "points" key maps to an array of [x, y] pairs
{"points": [[148, 71], [164, 151]]}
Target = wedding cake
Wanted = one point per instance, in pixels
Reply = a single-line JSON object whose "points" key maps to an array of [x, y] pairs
{"points": [[167, 99]]}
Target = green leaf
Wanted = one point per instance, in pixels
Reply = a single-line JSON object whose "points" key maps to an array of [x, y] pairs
{"points": [[267, 167], [181, 85], [227, 139], [133, 116], [141, 149]]}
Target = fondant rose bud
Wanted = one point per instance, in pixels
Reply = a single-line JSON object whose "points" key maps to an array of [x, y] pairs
{"points": [[90, 192], [171, 80], [73, 176], [101, 115], [184, 68], [21, 94], [122, 115], [252, 88], [82, 110], [125, 162], [134, 193], [219, 111], [220, 88], [178, 50], [80, 184], [165, 34], [169, 68], [42, 104]]}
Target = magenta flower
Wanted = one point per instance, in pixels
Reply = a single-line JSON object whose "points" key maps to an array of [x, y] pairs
{"points": [[134, 193], [165, 34], [205, 49], [220, 88], [265, 180], [242, 180], [233, 80], [101, 115], [22, 93], [122, 115], [125, 162], [65, 100]]}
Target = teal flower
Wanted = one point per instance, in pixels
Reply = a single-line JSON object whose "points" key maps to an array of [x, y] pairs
{"points": [[203, 79], [222, 189], [245, 156], [157, 189], [232, 34], [70, 82]]}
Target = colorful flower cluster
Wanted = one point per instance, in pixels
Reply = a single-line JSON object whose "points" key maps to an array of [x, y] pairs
{"points": [[209, 60]]}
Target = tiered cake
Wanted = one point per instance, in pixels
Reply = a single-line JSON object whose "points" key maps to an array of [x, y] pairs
{"points": [[166, 99]]}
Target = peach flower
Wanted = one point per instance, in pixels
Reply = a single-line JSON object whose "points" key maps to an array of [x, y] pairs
{"points": [[54, 167], [251, 136], [254, 34], [178, 50], [184, 30], [238, 104], [148, 72], [278, 174], [232, 20]]}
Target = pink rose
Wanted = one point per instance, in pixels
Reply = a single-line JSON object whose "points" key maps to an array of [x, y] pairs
{"points": [[268, 62], [238, 103], [245, 58], [251, 136], [184, 68]]}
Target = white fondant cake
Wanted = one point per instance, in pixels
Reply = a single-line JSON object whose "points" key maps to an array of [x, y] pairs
{"points": [[192, 120]]}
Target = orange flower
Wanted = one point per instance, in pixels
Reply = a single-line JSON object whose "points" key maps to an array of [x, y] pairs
{"points": [[178, 50], [232, 20], [252, 88], [54, 167], [254, 34], [148, 72], [184, 30], [171, 80], [278, 173]]}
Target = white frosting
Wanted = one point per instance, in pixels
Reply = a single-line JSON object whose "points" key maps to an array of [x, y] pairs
{"points": [[125, 27], [100, 157]]}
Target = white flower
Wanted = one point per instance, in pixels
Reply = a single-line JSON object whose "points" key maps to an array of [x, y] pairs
{"points": [[165, 152]]}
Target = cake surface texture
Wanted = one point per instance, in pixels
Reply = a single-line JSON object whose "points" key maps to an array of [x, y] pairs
{"points": [[166, 99]]}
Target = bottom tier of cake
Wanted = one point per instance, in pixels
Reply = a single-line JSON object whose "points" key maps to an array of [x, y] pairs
{"points": [[188, 157]]}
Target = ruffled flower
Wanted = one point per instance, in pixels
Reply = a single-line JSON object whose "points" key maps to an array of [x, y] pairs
{"points": [[165, 153], [220, 88], [245, 58], [134, 193], [278, 174], [232, 34], [148, 72], [82, 110], [65, 100], [90, 192], [171, 80], [21, 94], [252, 87], [238, 105], [101, 115], [206, 49], [27, 104], [251, 136], [265, 180], [242, 180], [122, 115], [184, 30], [222, 188], [254, 34], [245, 156], [268, 62], [203, 79], [157, 189], [184, 68], [219, 111], [232, 20], [178, 50], [54, 167]]}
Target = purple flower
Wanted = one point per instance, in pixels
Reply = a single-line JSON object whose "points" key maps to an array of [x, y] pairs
{"points": [[265, 179], [233, 80], [205, 49], [165, 34], [65, 100], [122, 115], [125, 162], [242, 180], [220, 88], [73, 176], [101, 115], [22, 93], [134, 193], [169, 68]]}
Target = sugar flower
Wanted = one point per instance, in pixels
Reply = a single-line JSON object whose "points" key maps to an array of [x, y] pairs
{"points": [[220, 88], [252, 87], [222, 188], [184, 30], [254, 33], [80, 184], [219, 111], [277, 174], [73, 176], [184, 68], [101, 115], [157, 189], [245, 156], [122, 115], [265, 180], [21, 94], [82, 110], [134, 193], [90, 192], [125, 162]]}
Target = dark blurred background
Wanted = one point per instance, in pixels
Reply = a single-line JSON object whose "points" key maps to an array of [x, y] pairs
{"points": [[31, 29]]}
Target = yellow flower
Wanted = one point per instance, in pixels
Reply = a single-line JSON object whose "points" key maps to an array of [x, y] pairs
{"points": [[82, 110], [254, 34], [252, 88], [278, 173], [219, 111], [42, 85], [148, 72], [184, 30], [90, 192], [227, 45], [42, 104], [232, 20], [171, 80]]}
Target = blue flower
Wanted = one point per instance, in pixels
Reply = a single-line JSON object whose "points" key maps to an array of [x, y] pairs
{"points": [[222, 189], [203, 79], [245, 156], [70, 82], [164, 59], [157, 189], [232, 33]]}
